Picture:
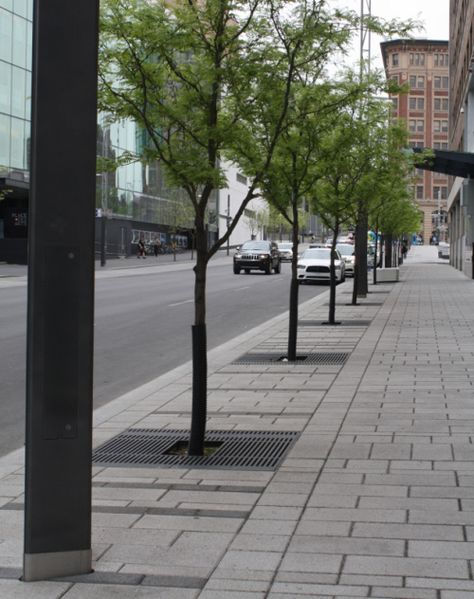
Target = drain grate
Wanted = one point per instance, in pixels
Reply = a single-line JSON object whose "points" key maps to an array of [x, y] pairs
{"points": [[344, 323], [261, 450], [267, 359]]}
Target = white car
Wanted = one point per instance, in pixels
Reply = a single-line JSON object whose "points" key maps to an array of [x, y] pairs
{"points": [[347, 251], [314, 264], [286, 250]]}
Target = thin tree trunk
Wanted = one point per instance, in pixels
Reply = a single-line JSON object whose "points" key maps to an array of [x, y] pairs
{"points": [[294, 292], [388, 251], [361, 252], [332, 279], [375, 257], [199, 349]]}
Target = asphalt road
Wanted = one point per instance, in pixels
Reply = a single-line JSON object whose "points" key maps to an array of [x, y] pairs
{"points": [[142, 328]]}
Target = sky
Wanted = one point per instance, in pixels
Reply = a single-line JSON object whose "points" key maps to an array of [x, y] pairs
{"points": [[433, 13]]}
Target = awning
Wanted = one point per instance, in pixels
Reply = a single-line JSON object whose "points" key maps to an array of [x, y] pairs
{"points": [[458, 164]]}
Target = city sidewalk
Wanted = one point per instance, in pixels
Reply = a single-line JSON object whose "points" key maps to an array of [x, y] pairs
{"points": [[375, 498]]}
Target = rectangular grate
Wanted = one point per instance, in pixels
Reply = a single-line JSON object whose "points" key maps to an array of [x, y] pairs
{"points": [[261, 450], [343, 323], [267, 359]]}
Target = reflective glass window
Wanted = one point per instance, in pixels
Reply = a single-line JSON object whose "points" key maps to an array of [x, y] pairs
{"points": [[18, 144], [5, 86], [28, 96], [19, 42], [29, 45], [29, 10], [8, 4], [20, 7], [6, 20], [18, 92], [4, 140]]}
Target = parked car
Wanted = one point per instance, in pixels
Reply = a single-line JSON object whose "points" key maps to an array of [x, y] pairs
{"points": [[286, 250], [347, 251], [314, 265], [257, 255], [443, 250]]}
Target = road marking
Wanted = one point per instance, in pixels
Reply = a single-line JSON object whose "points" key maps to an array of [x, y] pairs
{"points": [[189, 301], [242, 288]]}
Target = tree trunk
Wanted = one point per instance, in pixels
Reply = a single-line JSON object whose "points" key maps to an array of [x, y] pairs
{"points": [[375, 257], [294, 292], [361, 252], [388, 251], [332, 280], [199, 349]]}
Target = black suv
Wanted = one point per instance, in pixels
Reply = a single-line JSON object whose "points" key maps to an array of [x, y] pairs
{"points": [[257, 255]]}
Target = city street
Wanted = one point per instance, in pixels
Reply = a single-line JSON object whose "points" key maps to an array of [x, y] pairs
{"points": [[143, 326]]}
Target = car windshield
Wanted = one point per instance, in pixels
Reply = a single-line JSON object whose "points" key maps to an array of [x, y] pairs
{"points": [[317, 253], [346, 249], [285, 246], [255, 245]]}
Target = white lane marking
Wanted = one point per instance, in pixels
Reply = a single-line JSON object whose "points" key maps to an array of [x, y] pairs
{"points": [[241, 288], [189, 301]]}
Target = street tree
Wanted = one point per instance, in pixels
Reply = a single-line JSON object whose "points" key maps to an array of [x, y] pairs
{"points": [[208, 81], [294, 172]]}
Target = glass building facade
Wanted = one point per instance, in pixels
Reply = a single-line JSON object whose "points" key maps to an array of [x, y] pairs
{"points": [[134, 198], [15, 86], [16, 18]]}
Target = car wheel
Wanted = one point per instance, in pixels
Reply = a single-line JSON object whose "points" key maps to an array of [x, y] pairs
{"points": [[268, 269], [236, 270], [247, 271], [277, 268]]}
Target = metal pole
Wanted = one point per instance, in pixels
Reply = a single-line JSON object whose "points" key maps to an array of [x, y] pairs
{"points": [[57, 532]]}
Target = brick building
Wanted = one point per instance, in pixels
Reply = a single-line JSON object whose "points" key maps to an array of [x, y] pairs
{"points": [[423, 65]]}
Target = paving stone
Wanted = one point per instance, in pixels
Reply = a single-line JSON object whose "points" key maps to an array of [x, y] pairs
{"points": [[346, 546], [251, 560], [92, 591], [408, 531], [316, 590], [441, 568], [15, 589], [307, 562]]}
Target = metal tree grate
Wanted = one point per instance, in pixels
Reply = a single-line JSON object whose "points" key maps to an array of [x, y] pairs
{"points": [[261, 450], [267, 359], [344, 323]]}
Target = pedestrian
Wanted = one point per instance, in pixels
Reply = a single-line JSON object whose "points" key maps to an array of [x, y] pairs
{"points": [[141, 248], [404, 249], [156, 246]]}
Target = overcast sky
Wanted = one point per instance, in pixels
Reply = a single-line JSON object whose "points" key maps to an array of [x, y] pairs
{"points": [[433, 13]]}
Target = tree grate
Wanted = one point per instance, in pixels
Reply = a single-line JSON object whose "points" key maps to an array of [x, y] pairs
{"points": [[267, 359], [256, 450], [343, 323]]}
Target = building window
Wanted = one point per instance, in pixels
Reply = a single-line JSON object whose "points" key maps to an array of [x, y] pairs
{"points": [[419, 192], [441, 82], [416, 144], [440, 126], [394, 103], [395, 60], [416, 103], [241, 179], [417, 59], [441, 104], [441, 60], [436, 191]]}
